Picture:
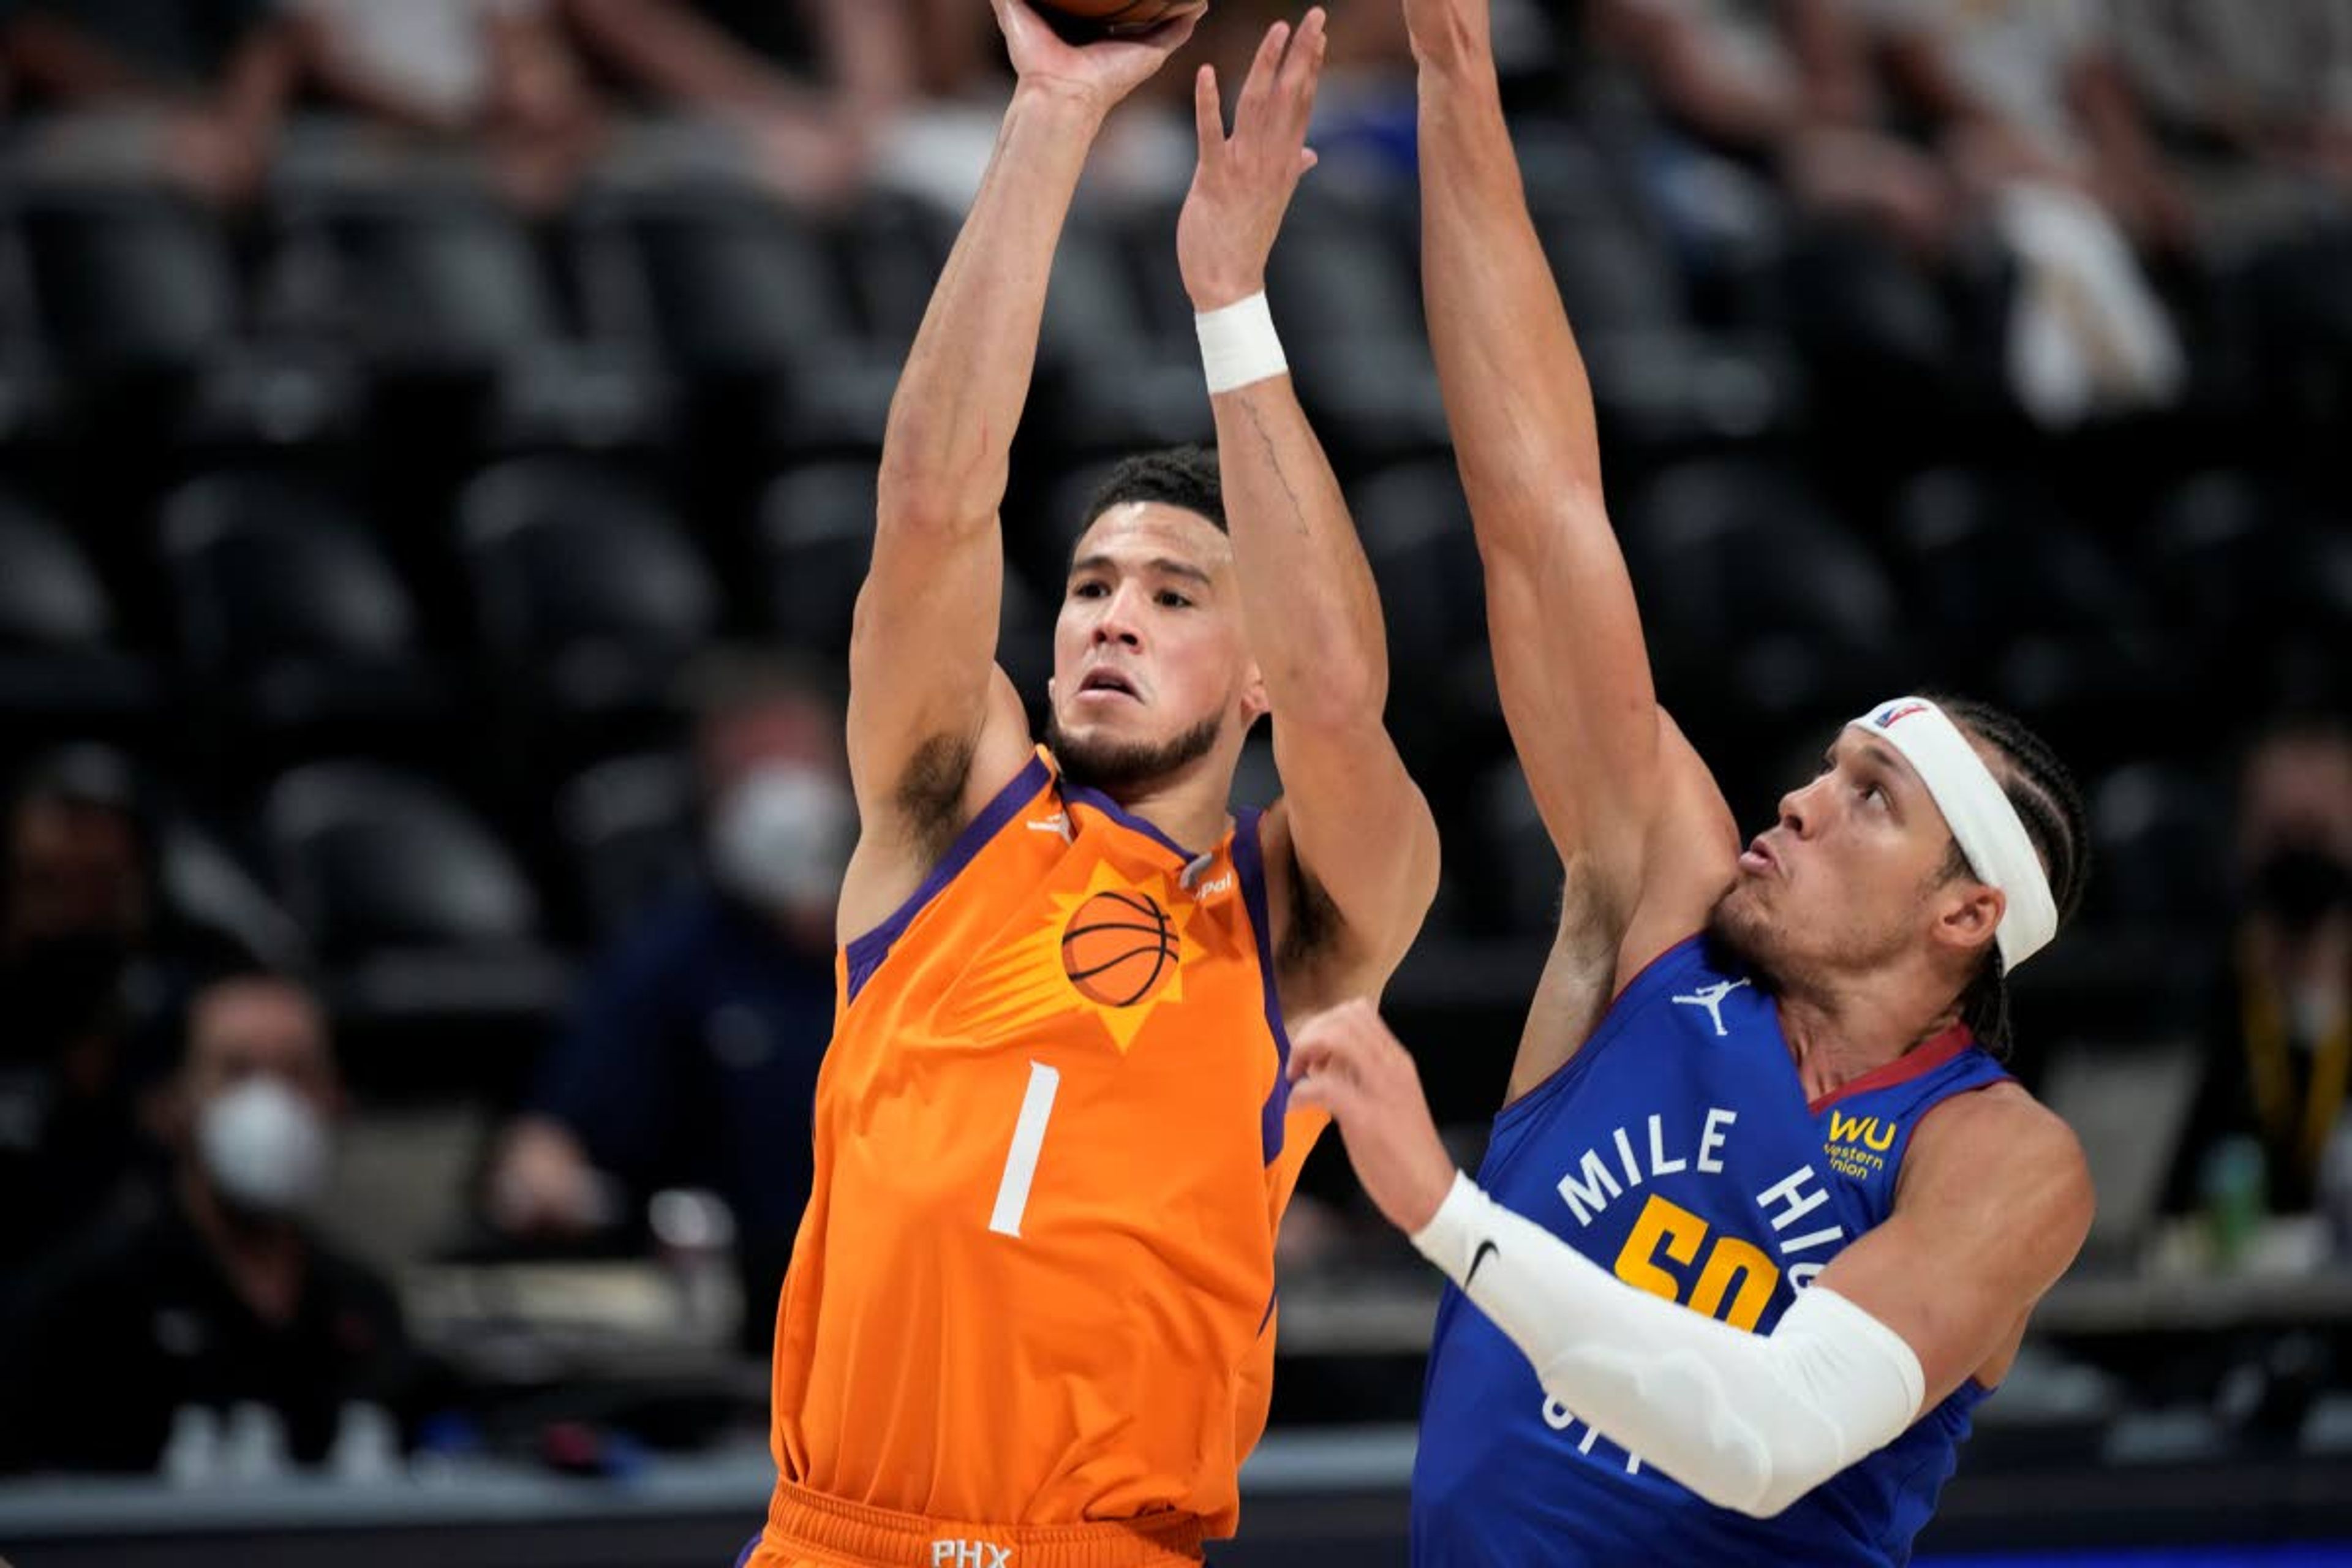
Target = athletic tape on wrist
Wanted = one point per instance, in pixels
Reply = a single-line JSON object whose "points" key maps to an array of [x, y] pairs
{"points": [[1239, 345]]}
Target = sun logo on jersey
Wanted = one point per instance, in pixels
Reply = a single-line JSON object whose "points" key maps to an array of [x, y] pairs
{"points": [[1115, 948]]}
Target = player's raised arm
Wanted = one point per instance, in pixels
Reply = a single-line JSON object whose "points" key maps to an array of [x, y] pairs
{"points": [[1569, 656], [932, 727], [1357, 830]]}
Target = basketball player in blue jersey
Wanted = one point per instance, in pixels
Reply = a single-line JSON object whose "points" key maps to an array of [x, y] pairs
{"points": [[1762, 1219]]}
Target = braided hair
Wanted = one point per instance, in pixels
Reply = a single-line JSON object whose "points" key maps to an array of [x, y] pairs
{"points": [[2049, 804]]}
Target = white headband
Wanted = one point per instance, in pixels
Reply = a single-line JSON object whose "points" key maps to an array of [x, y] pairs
{"points": [[1980, 815]]}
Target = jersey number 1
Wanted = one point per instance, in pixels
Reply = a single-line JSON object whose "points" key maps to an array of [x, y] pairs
{"points": [[1020, 1160]]}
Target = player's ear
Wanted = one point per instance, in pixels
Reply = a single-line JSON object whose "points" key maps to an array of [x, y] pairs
{"points": [[1254, 701], [1970, 915]]}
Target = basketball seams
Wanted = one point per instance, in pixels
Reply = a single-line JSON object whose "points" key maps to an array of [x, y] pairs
{"points": [[1159, 957], [1142, 903], [1159, 945], [1160, 931], [1108, 964]]}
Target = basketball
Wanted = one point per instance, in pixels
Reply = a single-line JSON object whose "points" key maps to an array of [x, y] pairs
{"points": [[1095, 18], [1117, 947]]}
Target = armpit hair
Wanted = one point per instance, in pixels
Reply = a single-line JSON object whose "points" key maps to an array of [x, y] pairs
{"points": [[930, 793], [1589, 926], [1315, 920]]}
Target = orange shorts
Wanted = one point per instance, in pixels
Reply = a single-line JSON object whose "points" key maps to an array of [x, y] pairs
{"points": [[808, 1529]]}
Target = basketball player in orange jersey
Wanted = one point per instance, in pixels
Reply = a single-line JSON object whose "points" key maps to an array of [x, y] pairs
{"points": [[1030, 1315]]}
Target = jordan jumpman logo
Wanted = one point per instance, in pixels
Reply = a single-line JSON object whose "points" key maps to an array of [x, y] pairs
{"points": [[1711, 998]]}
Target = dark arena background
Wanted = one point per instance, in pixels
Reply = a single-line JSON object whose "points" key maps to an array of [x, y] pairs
{"points": [[437, 456]]}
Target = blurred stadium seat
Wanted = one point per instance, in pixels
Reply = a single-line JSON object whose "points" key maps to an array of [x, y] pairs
{"points": [[1520, 865], [628, 824], [589, 597], [1443, 706], [815, 536], [462, 324], [293, 626], [1764, 608], [1117, 367], [2016, 600], [424, 280], [2250, 569], [62, 672], [427, 931], [1343, 282], [371, 861], [129, 282], [749, 302], [2158, 833]]}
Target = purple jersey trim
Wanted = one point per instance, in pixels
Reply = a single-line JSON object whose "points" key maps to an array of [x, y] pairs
{"points": [[866, 953], [1249, 859], [1124, 817]]}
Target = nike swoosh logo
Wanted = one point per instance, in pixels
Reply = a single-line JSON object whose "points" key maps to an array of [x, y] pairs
{"points": [[1476, 1258]]}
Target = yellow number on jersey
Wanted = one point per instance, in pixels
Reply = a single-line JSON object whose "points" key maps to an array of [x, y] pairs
{"points": [[1736, 1271]]}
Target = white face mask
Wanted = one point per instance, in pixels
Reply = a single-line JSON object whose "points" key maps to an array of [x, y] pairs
{"points": [[781, 836], [265, 1146]]}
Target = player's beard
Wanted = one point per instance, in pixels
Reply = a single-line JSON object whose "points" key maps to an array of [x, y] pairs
{"points": [[1738, 928], [1115, 765], [1764, 945]]}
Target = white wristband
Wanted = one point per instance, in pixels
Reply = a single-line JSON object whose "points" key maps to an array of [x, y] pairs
{"points": [[1238, 344]]}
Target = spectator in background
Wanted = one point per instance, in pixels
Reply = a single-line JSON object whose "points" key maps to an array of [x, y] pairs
{"points": [[77, 975], [1785, 87], [2281, 1067], [2036, 123], [802, 87], [217, 1295], [1366, 119], [2255, 106], [1772, 138], [499, 74], [2254, 102], [692, 1057], [194, 89]]}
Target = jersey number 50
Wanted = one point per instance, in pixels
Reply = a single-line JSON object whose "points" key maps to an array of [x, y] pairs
{"points": [[1736, 1272]]}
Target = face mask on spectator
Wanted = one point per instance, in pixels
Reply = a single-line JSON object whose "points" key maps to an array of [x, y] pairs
{"points": [[265, 1146], [781, 836]]}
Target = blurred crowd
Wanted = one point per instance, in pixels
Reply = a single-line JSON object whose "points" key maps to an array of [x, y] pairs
{"points": [[1999, 341], [2083, 151]]}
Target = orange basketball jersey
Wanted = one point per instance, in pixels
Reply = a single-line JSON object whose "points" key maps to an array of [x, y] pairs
{"points": [[1034, 1283]]}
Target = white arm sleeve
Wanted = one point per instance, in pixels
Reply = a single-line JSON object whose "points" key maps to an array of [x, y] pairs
{"points": [[1749, 1422]]}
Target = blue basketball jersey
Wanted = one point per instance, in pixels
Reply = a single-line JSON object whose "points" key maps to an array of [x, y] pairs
{"points": [[1677, 1150]]}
